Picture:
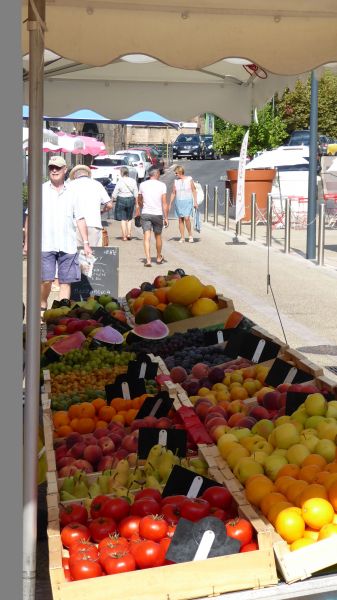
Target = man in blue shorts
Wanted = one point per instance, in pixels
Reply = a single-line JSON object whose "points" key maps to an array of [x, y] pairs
{"points": [[61, 212], [154, 213]]}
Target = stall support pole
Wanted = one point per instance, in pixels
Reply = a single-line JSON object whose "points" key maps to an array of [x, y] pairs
{"points": [[226, 211], [215, 218], [253, 217], [321, 234], [206, 204], [287, 225], [269, 219]]}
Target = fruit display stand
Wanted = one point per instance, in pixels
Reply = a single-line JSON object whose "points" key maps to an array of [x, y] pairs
{"points": [[218, 317]]}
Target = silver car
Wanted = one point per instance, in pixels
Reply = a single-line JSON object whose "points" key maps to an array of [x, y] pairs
{"points": [[107, 169]]}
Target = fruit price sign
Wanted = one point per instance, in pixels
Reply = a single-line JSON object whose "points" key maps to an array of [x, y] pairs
{"points": [[102, 276]]}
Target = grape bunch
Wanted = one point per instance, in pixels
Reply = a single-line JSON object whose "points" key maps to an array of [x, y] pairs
{"points": [[188, 357], [170, 345], [90, 360]]}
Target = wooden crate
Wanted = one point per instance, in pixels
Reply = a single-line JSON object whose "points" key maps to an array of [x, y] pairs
{"points": [[265, 335], [301, 362], [249, 570], [303, 563], [218, 317]]}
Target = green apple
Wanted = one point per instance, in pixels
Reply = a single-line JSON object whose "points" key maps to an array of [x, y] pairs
{"points": [[315, 404], [263, 427], [246, 467], [235, 455], [272, 465], [309, 439], [332, 409], [281, 420], [285, 435], [110, 306], [327, 449], [327, 429], [263, 446], [240, 432], [313, 421], [259, 456], [104, 299], [300, 416], [297, 453]]}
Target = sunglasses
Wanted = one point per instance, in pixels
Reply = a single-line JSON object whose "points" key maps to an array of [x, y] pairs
{"points": [[54, 168]]}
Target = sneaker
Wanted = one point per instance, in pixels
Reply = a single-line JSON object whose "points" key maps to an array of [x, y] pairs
{"points": [[181, 241], [191, 240]]}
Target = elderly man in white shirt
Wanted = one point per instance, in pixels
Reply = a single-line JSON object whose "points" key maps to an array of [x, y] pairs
{"points": [[59, 247], [93, 200]]}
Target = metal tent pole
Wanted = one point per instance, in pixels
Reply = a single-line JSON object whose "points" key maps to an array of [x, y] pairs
{"points": [[312, 191], [36, 20]]}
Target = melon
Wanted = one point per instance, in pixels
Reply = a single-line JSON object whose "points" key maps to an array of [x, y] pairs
{"points": [[155, 330], [185, 290], [74, 341], [108, 335], [203, 306], [175, 312], [146, 314]]}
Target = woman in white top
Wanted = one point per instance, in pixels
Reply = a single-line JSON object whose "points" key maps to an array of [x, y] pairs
{"points": [[125, 193], [184, 196]]}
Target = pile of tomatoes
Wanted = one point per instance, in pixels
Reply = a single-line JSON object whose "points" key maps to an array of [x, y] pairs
{"points": [[116, 537]]}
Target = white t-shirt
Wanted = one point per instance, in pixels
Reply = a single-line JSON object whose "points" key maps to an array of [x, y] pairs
{"points": [[91, 195], [59, 209], [125, 187], [152, 191]]}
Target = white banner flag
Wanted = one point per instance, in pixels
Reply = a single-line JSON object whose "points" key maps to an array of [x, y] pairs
{"points": [[240, 190]]}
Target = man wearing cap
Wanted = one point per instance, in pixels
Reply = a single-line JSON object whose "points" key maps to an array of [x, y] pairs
{"points": [[93, 200], [60, 214]]}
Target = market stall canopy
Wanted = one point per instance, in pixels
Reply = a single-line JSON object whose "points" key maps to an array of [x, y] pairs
{"points": [[49, 140], [283, 156], [282, 36]]}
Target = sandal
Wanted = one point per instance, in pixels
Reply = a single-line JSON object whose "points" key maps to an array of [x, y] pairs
{"points": [[147, 264], [160, 260], [182, 240], [191, 240]]}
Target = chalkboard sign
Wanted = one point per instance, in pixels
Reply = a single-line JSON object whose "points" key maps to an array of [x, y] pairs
{"points": [[104, 276]]}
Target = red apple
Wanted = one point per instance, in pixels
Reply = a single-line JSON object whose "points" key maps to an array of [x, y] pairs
{"points": [[106, 463], [60, 452], [77, 450], [101, 432], [73, 438], [92, 453], [107, 445], [65, 461], [83, 465], [130, 442], [271, 400], [68, 471], [121, 453], [164, 423], [159, 281]]}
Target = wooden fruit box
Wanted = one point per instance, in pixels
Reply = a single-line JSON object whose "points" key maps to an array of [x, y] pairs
{"points": [[301, 362], [303, 563], [218, 317], [249, 570]]}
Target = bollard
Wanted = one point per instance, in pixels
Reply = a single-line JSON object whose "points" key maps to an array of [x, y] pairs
{"points": [[226, 210], [321, 234], [253, 217], [215, 217], [287, 224], [269, 219], [206, 203], [239, 228]]}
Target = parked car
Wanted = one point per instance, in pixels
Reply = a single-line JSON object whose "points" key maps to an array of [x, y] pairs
{"points": [[153, 156], [189, 146], [137, 159], [106, 169], [301, 137], [209, 148]]}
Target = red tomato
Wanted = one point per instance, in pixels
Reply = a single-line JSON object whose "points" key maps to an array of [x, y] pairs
{"points": [[87, 549], [97, 504], [85, 569], [249, 547], [73, 513], [145, 506], [163, 547], [112, 541], [129, 526], [240, 529], [149, 493], [102, 527], [67, 575], [177, 500], [115, 508], [195, 509], [120, 562], [146, 553], [153, 528], [171, 530], [74, 532], [218, 496], [219, 513]]}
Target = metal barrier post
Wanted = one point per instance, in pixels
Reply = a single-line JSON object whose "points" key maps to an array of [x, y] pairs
{"points": [[269, 219], [287, 225], [253, 217], [215, 218], [206, 203], [226, 210], [321, 234], [239, 228]]}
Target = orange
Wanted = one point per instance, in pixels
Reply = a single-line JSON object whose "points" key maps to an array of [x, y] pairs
{"points": [[100, 424], [294, 489], [327, 531], [312, 534], [313, 490], [301, 543], [249, 372], [238, 393], [150, 298], [309, 473], [106, 413], [290, 469], [74, 423], [254, 478], [258, 489], [208, 291], [60, 418], [290, 525], [283, 482], [314, 459], [98, 403], [119, 419], [331, 467], [86, 425], [276, 509], [73, 411], [118, 404], [161, 306], [161, 294], [317, 512], [332, 495], [138, 303], [270, 499], [64, 431], [322, 477], [330, 480], [130, 415], [87, 410]]}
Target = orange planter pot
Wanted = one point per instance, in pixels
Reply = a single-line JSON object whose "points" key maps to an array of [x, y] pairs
{"points": [[256, 180]]}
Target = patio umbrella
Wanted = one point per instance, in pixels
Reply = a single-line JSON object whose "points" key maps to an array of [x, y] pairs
{"points": [[80, 144], [49, 141], [280, 157]]}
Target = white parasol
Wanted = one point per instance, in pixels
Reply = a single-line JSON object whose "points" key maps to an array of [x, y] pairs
{"points": [[280, 157]]}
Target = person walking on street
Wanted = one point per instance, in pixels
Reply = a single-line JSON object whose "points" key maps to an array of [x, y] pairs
{"points": [[60, 214], [93, 199], [125, 192], [184, 196], [153, 210]]}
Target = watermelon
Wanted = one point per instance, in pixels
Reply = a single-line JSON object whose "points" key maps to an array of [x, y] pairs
{"points": [[154, 330], [109, 335], [74, 341]]}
